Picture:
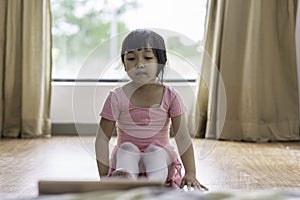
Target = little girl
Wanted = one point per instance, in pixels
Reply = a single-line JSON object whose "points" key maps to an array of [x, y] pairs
{"points": [[142, 110]]}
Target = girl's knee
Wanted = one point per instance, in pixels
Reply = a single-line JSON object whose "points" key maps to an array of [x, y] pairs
{"points": [[128, 146], [153, 148], [156, 152]]}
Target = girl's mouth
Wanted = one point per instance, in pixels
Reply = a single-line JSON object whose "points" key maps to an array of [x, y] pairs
{"points": [[140, 73]]}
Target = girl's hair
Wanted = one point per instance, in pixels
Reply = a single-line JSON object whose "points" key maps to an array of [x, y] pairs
{"points": [[144, 38]]}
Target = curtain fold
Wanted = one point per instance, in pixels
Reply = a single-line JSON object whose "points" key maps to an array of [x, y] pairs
{"points": [[25, 68], [252, 44]]}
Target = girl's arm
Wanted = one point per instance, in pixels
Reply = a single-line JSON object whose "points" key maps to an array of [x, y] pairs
{"points": [[105, 131], [186, 150]]}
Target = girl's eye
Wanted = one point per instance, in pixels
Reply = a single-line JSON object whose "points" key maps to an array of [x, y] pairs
{"points": [[130, 58], [148, 58]]}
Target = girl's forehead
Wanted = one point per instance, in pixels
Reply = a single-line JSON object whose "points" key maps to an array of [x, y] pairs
{"points": [[139, 50]]}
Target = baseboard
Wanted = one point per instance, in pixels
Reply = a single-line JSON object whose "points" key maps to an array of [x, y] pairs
{"points": [[74, 129], [82, 129]]}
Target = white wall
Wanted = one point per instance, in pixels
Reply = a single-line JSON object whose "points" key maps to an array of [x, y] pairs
{"points": [[80, 103]]}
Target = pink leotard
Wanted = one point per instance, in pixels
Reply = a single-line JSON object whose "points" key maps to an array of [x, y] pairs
{"points": [[145, 126]]}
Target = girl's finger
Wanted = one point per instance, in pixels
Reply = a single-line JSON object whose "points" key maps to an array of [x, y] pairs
{"points": [[189, 185], [182, 183], [189, 188], [203, 187], [197, 185]]}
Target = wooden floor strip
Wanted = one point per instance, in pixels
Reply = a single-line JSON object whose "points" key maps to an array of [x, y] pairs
{"points": [[221, 165]]}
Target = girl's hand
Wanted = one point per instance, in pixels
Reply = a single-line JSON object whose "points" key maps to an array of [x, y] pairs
{"points": [[191, 181]]}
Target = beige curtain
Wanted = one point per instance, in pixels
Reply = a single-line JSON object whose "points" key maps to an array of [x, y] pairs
{"points": [[25, 68], [252, 43]]}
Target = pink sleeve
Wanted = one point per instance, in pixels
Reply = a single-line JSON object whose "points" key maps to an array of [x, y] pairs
{"points": [[177, 106], [110, 109]]}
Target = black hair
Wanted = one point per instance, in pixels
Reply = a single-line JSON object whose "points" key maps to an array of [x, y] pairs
{"points": [[144, 38]]}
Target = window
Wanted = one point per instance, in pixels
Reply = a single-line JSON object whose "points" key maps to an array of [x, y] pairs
{"points": [[87, 36]]}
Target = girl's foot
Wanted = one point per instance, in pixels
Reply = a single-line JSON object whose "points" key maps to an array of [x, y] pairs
{"points": [[121, 173]]}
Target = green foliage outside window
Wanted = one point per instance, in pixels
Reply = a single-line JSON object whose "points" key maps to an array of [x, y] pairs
{"points": [[77, 28]]}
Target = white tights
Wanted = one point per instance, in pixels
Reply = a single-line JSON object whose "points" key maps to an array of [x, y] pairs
{"points": [[155, 160]]}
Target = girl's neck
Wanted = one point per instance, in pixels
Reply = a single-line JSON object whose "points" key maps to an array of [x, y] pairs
{"points": [[144, 96], [147, 86]]}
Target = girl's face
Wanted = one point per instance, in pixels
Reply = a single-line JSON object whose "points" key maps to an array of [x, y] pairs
{"points": [[141, 65]]}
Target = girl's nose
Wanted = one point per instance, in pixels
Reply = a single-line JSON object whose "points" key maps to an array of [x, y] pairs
{"points": [[140, 65], [140, 62]]}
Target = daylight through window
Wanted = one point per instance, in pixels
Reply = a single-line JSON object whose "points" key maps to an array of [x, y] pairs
{"points": [[79, 27]]}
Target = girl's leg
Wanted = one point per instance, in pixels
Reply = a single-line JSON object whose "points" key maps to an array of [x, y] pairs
{"points": [[127, 158], [156, 160]]}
